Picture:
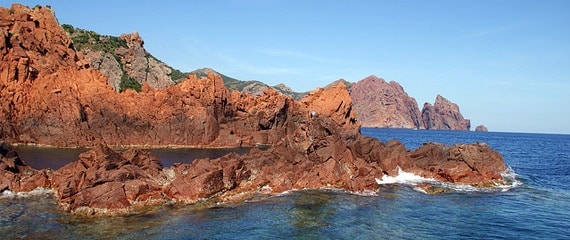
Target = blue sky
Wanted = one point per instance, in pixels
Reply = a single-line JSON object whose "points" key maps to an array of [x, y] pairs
{"points": [[505, 63]]}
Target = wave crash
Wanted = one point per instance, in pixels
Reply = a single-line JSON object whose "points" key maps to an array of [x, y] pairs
{"points": [[434, 186]]}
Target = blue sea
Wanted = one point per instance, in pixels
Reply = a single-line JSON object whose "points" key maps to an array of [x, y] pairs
{"points": [[537, 208]]}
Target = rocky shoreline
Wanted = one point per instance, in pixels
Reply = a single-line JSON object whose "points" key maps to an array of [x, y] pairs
{"points": [[50, 95], [107, 182]]}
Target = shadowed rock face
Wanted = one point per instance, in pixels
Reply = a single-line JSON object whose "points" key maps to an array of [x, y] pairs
{"points": [[384, 105], [315, 142], [16, 175], [444, 115], [380, 104]]}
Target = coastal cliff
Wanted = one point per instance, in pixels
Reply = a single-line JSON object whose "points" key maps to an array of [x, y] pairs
{"points": [[51, 95], [444, 115], [382, 104]]}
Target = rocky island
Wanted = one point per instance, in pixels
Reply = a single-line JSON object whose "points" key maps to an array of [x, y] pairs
{"points": [[51, 95], [382, 104]]}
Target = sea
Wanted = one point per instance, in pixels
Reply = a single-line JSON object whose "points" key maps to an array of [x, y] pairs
{"points": [[536, 204]]}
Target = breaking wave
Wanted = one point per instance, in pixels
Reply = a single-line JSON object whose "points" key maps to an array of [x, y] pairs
{"points": [[410, 179], [36, 192]]}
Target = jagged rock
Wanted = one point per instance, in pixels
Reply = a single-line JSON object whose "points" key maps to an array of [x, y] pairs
{"points": [[107, 64], [74, 106], [16, 175], [444, 115], [140, 65], [384, 105], [473, 164], [481, 128], [102, 181]]}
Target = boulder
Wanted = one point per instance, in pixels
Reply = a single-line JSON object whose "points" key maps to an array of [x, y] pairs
{"points": [[16, 175], [103, 181], [471, 164]]}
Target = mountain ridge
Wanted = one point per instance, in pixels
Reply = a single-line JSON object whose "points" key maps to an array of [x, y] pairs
{"points": [[379, 104]]}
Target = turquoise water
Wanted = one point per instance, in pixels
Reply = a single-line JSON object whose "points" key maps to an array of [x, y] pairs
{"points": [[537, 209]]}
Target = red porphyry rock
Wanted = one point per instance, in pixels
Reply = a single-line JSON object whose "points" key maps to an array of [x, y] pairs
{"points": [[103, 181], [16, 175], [444, 115], [380, 104]]}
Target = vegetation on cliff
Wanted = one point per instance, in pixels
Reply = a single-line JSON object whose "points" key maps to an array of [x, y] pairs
{"points": [[122, 77]]}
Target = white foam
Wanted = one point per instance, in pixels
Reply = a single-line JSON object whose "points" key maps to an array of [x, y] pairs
{"points": [[36, 192], [403, 178], [511, 180], [406, 178]]}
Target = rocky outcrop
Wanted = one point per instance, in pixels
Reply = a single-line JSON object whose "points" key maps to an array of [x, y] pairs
{"points": [[107, 64], [321, 147], [320, 153], [481, 128], [16, 175], [380, 104], [444, 115], [140, 65], [102, 181]]}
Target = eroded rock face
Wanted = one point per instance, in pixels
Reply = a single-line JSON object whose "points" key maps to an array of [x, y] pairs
{"points": [[444, 115], [107, 64], [380, 104], [141, 66], [65, 104]]}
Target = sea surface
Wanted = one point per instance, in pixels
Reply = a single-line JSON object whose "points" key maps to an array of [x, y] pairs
{"points": [[535, 206]]}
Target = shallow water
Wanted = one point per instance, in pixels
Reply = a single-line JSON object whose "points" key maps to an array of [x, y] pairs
{"points": [[55, 158], [536, 209]]}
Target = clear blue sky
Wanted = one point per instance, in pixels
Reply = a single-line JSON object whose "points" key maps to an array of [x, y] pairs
{"points": [[506, 63]]}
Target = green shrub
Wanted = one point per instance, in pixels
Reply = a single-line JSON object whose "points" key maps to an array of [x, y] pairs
{"points": [[128, 82], [83, 39], [177, 75]]}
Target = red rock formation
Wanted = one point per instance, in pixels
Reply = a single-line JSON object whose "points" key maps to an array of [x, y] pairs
{"points": [[315, 141], [64, 104], [105, 182], [444, 115], [16, 175], [472, 164], [384, 105]]}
